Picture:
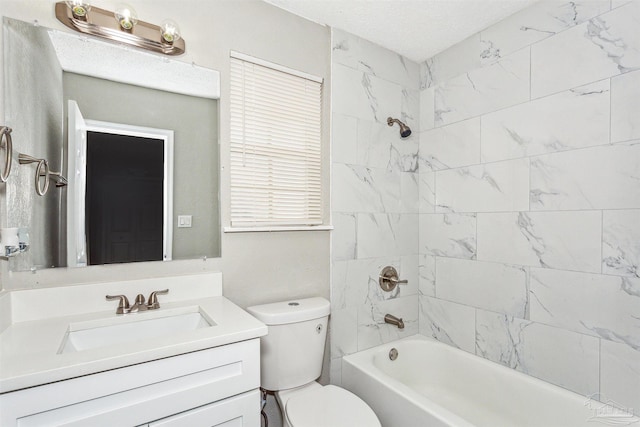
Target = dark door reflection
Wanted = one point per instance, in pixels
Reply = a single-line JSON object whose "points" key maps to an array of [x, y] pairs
{"points": [[124, 199]]}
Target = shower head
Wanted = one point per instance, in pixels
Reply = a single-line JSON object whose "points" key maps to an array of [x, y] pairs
{"points": [[405, 131]]}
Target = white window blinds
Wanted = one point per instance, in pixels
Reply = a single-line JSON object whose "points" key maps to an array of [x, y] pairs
{"points": [[275, 145]]}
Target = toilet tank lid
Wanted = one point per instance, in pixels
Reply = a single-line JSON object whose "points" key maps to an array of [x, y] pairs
{"points": [[299, 310]]}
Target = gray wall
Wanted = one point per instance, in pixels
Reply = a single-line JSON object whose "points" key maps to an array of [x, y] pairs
{"points": [[195, 125]]}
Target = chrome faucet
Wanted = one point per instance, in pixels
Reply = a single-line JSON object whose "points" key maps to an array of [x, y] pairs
{"points": [[393, 320]]}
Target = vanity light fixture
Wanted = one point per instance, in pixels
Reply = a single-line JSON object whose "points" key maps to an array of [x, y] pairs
{"points": [[170, 31], [79, 15], [79, 8], [126, 17]]}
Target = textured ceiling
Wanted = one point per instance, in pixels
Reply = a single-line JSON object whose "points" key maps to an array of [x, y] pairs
{"points": [[417, 29]]}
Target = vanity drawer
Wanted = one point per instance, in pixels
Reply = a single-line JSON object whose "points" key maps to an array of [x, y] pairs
{"points": [[237, 411], [137, 394]]}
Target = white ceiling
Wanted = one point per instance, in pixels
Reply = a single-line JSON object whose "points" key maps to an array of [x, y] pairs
{"points": [[417, 29]]}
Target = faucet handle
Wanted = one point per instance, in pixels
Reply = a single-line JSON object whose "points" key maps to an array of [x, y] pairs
{"points": [[388, 279], [153, 303], [123, 307]]}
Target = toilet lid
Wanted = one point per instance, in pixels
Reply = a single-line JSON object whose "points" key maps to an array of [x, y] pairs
{"points": [[329, 406]]}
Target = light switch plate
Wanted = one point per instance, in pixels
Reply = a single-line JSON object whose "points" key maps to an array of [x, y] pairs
{"points": [[184, 221]]}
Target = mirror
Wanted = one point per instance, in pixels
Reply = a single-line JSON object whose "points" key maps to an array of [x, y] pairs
{"points": [[48, 70]]}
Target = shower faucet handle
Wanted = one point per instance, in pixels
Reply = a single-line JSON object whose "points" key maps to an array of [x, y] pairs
{"points": [[388, 279]]}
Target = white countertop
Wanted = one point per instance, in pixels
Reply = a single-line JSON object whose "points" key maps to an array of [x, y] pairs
{"points": [[29, 349]]}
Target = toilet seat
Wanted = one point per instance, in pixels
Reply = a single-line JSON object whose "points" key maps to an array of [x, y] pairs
{"points": [[329, 406]]}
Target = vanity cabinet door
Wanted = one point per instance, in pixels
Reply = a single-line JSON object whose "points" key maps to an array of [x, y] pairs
{"points": [[135, 395], [238, 411]]}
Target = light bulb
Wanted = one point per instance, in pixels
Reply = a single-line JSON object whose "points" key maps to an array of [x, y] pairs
{"points": [[170, 31], [126, 17], [79, 8]]}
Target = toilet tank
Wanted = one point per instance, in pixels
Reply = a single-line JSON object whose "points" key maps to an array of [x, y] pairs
{"points": [[291, 353]]}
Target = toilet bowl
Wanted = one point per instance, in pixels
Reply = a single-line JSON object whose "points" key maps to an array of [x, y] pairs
{"points": [[291, 361], [328, 406]]}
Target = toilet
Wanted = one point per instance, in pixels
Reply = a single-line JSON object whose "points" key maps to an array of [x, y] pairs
{"points": [[291, 360]]}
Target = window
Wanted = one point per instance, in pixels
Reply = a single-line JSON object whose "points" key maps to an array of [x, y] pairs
{"points": [[275, 145]]}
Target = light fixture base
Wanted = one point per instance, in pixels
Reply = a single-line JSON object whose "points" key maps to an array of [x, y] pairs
{"points": [[100, 22]]}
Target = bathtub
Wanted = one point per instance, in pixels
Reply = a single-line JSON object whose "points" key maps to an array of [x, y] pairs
{"points": [[433, 384]]}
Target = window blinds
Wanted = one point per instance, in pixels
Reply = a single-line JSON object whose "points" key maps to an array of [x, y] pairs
{"points": [[275, 145]]}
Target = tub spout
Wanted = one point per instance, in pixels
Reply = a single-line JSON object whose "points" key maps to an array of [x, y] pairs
{"points": [[393, 320]]}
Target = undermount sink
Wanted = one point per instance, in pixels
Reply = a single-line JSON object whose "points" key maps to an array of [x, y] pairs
{"points": [[131, 328]]}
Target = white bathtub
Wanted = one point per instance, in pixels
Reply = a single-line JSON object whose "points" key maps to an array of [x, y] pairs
{"points": [[433, 384]]}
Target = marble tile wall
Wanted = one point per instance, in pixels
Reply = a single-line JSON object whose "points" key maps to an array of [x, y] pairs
{"points": [[529, 196], [375, 199]]}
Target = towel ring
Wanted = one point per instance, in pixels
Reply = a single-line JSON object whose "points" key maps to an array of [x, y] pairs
{"points": [[5, 134], [25, 159], [42, 190]]}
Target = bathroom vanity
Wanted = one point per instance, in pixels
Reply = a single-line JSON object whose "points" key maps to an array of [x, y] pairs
{"points": [[68, 359]]}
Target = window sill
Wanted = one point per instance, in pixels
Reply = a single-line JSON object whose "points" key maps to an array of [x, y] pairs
{"points": [[275, 229]]}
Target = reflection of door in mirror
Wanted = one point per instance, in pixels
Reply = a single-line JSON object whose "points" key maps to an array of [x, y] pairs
{"points": [[124, 198], [122, 192]]}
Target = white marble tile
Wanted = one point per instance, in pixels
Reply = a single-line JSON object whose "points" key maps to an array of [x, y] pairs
{"points": [[373, 331], [404, 154], [500, 338], [363, 55], [410, 110], [621, 242], [343, 329], [454, 61], [380, 146], [620, 375], [343, 236], [592, 304], [427, 109], [446, 321], [409, 192], [535, 23], [362, 189], [618, 3], [491, 187], [450, 146], [625, 104], [374, 144], [427, 271], [345, 292], [561, 357], [355, 282], [409, 270], [575, 118], [603, 47], [427, 192], [604, 177], [490, 286], [561, 240], [358, 94], [381, 235], [344, 134], [483, 90], [451, 235]]}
